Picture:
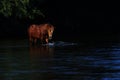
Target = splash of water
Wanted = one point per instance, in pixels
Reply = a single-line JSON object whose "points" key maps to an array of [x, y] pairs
{"points": [[61, 43]]}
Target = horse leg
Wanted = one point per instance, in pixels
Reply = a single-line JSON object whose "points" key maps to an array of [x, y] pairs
{"points": [[46, 40], [35, 41], [41, 40], [30, 40]]}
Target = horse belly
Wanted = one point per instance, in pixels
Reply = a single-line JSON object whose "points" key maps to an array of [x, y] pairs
{"points": [[35, 35]]}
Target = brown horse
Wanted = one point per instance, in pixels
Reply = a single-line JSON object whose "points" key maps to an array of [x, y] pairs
{"points": [[42, 32]]}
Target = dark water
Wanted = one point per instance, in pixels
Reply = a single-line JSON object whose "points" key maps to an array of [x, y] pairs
{"points": [[61, 61]]}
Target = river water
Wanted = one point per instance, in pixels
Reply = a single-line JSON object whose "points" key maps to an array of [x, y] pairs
{"points": [[59, 61]]}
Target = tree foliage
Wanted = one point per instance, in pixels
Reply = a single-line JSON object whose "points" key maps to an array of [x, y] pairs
{"points": [[19, 9]]}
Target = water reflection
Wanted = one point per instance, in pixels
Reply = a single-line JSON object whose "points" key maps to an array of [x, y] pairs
{"points": [[40, 61], [41, 52], [19, 61]]}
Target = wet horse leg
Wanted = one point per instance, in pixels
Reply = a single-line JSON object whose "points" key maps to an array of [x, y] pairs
{"points": [[46, 40], [31, 40], [35, 40], [42, 39]]}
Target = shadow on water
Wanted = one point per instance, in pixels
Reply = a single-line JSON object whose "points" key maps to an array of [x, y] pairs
{"points": [[59, 61]]}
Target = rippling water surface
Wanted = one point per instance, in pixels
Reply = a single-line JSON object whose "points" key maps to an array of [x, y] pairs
{"points": [[59, 61]]}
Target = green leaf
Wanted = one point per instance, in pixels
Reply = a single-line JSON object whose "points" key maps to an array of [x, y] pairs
{"points": [[19, 9]]}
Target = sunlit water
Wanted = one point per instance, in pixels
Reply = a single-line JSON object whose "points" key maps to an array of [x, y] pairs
{"points": [[59, 61]]}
